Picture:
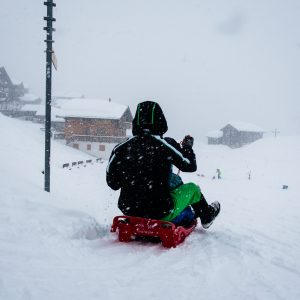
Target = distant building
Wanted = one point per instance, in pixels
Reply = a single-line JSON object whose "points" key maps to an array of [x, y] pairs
{"points": [[27, 112], [235, 135], [30, 99], [36, 114], [13, 94], [57, 123], [95, 126]]}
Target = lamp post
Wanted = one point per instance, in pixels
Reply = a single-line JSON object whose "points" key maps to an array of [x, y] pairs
{"points": [[49, 52]]}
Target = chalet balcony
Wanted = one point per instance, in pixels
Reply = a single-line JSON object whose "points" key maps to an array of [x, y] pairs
{"points": [[97, 139]]}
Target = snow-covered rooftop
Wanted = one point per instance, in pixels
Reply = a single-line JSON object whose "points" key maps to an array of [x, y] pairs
{"points": [[55, 112], [15, 81], [40, 111], [29, 97], [59, 102], [92, 108], [30, 107], [242, 126], [215, 134], [68, 95]]}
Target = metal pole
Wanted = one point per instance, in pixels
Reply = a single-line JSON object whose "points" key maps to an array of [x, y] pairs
{"points": [[49, 29]]}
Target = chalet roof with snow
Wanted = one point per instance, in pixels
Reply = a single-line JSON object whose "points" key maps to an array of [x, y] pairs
{"points": [[241, 126], [40, 111], [92, 109], [16, 81], [30, 107], [55, 112], [29, 98], [215, 134], [4, 78], [68, 95]]}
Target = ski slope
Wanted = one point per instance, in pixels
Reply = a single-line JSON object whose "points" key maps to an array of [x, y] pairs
{"points": [[58, 245]]}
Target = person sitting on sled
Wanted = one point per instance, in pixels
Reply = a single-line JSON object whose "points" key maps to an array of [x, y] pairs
{"points": [[141, 168]]}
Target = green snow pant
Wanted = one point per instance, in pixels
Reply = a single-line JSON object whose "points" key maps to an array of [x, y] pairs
{"points": [[183, 196]]}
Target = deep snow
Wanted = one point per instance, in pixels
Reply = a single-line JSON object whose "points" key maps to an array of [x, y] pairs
{"points": [[58, 245]]}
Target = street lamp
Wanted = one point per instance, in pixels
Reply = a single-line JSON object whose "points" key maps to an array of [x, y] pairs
{"points": [[49, 52]]}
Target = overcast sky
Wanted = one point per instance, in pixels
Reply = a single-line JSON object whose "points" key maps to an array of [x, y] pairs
{"points": [[206, 62]]}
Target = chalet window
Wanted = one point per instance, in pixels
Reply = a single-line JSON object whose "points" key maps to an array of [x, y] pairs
{"points": [[76, 146], [88, 147], [87, 131], [101, 147], [101, 131]]}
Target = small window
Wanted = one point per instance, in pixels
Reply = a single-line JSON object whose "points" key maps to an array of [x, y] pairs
{"points": [[76, 146], [87, 131], [101, 131], [88, 147], [101, 147]]}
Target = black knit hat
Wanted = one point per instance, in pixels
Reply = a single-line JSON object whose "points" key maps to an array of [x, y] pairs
{"points": [[149, 117]]}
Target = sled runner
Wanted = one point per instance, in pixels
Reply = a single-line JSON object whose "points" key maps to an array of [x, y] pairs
{"points": [[131, 228]]}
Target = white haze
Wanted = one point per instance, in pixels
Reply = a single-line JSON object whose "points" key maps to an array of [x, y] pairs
{"points": [[205, 62]]}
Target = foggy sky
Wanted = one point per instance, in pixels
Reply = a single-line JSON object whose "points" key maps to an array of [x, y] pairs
{"points": [[205, 62]]}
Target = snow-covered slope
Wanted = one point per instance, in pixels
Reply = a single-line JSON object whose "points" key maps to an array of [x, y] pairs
{"points": [[58, 245]]}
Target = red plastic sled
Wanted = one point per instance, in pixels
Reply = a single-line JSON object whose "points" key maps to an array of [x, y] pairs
{"points": [[169, 234]]}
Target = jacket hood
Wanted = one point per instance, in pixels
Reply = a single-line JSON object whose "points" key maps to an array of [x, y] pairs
{"points": [[150, 118]]}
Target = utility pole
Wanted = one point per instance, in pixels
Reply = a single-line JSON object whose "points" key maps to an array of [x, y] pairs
{"points": [[49, 52], [276, 132]]}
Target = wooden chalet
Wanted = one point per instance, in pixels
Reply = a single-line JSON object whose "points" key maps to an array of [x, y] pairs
{"points": [[13, 94], [95, 126], [235, 135], [10, 91]]}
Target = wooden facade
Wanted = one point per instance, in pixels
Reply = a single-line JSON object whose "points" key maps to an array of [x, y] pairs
{"points": [[93, 127], [214, 140]]}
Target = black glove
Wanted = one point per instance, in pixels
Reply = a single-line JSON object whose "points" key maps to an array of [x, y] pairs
{"points": [[188, 141]]}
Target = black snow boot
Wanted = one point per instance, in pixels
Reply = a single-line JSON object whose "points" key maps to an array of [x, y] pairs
{"points": [[211, 213], [206, 213]]}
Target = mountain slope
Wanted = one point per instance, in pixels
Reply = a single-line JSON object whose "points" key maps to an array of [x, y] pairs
{"points": [[58, 245]]}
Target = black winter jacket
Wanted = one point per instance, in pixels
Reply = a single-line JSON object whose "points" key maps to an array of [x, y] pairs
{"points": [[141, 167]]}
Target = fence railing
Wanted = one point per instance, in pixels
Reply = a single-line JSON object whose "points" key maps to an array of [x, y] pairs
{"points": [[82, 163], [59, 136]]}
